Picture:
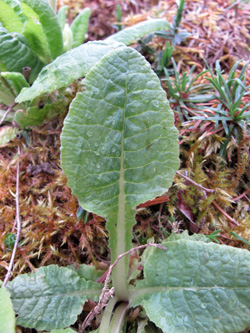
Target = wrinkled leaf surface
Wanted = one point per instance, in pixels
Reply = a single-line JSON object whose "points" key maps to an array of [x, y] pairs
{"points": [[66, 68], [7, 315], [51, 298], [196, 287], [119, 143]]}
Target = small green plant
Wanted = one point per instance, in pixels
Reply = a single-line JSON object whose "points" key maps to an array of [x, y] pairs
{"points": [[230, 111], [182, 91], [31, 36], [120, 148], [174, 35], [10, 240]]}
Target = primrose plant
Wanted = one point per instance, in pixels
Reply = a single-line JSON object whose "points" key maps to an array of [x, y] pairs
{"points": [[120, 148]]}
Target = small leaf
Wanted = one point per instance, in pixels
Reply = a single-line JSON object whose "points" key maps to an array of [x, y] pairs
{"points": [[51, 298], [129, 35], [7, 133], [61, 16], [67, 38], [7, 95], [79, 27], [17, 80], [195, 287], [7, 315], [67, 68], [33, 116]]}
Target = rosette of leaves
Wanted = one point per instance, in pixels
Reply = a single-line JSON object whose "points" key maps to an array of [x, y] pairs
{"points": [[120, 148]]}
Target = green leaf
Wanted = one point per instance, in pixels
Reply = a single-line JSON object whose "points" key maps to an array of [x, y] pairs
{"points": [[67, 38], [7, 315], [50, 25], [7, 133], [34, 33], [66, 330], [51, 298], [9, 18], [184, 235], [7, 95], [67, 68], [17, 80], [15, 54], [79, 27], [129, 35], [87, 272], [119, 145], [61, 16], [33, 116], [195, 287]]}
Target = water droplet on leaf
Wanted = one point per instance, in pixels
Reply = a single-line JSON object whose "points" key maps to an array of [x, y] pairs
{"points": [[90, 134]]}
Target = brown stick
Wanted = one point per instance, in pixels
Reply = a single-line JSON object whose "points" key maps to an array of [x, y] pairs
{"points": [[18, 223], [106, 292], [194, 183], [224, 213], [242, 195], [6, 112]]}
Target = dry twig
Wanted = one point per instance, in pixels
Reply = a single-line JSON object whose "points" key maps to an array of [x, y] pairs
{"points": [[194, 183], [6, 112], [18, 224]]}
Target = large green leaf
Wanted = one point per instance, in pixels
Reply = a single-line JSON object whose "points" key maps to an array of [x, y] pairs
{"points": [[50, 25], [129, 35], [51, 298], [119, 144], [79, 27], [67, 68], [7, 315], [9, 18], [195, 287], [15, 54]]}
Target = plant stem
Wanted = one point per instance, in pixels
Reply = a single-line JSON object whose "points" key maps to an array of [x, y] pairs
{"points": [[106, 318], [117, 321]]}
